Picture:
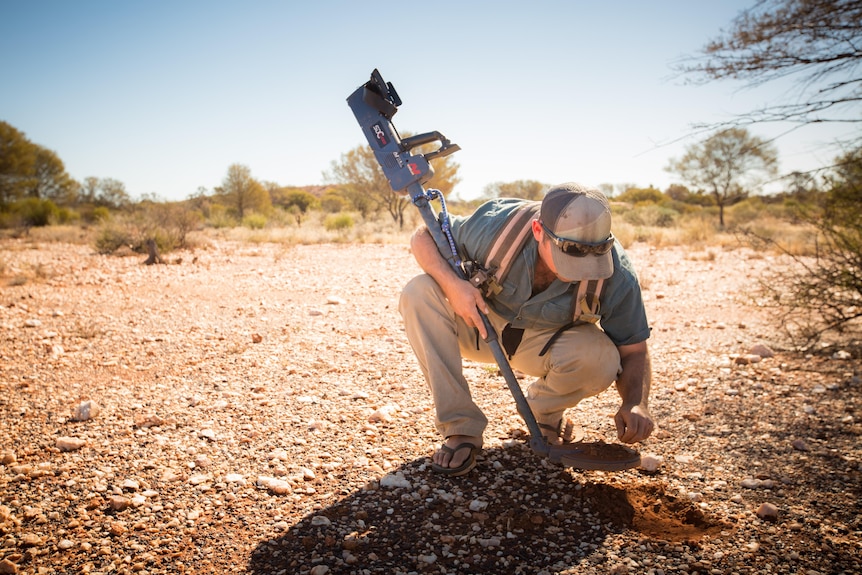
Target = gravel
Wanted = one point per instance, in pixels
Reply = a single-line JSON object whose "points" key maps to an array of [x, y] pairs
{"points": [[256, 408]]}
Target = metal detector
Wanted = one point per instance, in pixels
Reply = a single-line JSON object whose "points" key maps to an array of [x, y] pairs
{"points": [[374, 103]]}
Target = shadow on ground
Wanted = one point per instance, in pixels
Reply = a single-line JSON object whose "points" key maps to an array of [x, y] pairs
{"points": [[501, 518]]}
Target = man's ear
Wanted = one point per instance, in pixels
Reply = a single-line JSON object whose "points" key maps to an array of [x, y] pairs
{"points": [[538, 232]]}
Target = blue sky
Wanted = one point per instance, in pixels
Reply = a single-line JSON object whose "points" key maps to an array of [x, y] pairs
{"points": [[165, 95]]}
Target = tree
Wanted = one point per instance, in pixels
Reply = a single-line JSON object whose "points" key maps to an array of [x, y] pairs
{"points": [[242, 192], [50, 180], [727, 166], [29, 170], [296, 201], [17, 158], [526, 189], [814, 42], [89, 190], [363, 180], [112, 194]]}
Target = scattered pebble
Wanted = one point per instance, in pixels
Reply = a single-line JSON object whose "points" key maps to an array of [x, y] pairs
{"points": [[394, 480], [651, 462], [86, 410], [800, 445], [70, 443], [274, 485], [767, 511], [762, 351]]}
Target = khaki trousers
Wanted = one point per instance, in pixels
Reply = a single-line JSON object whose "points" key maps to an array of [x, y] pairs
{"points": [[581, 363]]}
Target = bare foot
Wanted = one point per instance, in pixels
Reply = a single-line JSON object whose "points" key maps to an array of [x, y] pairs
{"points": [[449, 459]]}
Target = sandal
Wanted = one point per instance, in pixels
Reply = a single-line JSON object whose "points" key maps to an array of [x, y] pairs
{"points": [[566, 430], [462, 469]]}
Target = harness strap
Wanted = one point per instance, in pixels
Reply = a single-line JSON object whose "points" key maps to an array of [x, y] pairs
{"points": [[587, 301], [587, 308], [509, 241]]}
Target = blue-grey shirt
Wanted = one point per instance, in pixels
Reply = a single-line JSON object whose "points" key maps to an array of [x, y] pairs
{"points": [[623, 317]]}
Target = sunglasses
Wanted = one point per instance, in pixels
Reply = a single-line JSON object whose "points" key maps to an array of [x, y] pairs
{"points": [[580, 249]]}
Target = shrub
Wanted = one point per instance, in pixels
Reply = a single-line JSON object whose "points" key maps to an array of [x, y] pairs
{"points": [[333, 202], [111, 238], [166, 224], [100, 214], [651, 215], [822, 294], [254, 221], [640, 195], [338, 222], [35, 212]]}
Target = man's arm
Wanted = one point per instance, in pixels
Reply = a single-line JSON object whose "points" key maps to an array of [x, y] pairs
{"points": [[633, 420], [464, 298]]}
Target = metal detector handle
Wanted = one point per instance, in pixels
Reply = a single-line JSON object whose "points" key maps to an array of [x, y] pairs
{"points": [[446, 147], [537, 441]]}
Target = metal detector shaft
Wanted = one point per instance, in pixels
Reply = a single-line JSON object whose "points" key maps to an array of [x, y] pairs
{"points": [[537, 441]]}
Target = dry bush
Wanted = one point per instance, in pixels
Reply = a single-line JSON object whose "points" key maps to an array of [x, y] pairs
{"points": [[169, 225], [314, 230], [67, 234]]}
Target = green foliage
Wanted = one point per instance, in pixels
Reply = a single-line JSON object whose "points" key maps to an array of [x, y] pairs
{"points": [[301, 199], [29, 170], [755, 208], [679, 193], [220, 217], [296, 202], [338, 222], [111, 238], [651, 215], [17, 164], [254, 221], [641, 195], [333, 201], [35, 212], [100, 214], [66, 216]]}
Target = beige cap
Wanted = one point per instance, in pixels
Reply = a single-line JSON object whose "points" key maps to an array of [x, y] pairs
{"points": [[580, 216]]}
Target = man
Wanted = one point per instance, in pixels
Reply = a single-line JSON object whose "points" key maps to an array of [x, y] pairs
{"points": [[570, 243]]}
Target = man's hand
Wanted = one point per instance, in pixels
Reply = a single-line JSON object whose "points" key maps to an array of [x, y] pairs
{"points": [[466, 301], [633, 423]]}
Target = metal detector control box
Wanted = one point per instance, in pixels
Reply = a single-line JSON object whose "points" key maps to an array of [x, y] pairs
{"points": [[374, 103]]}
